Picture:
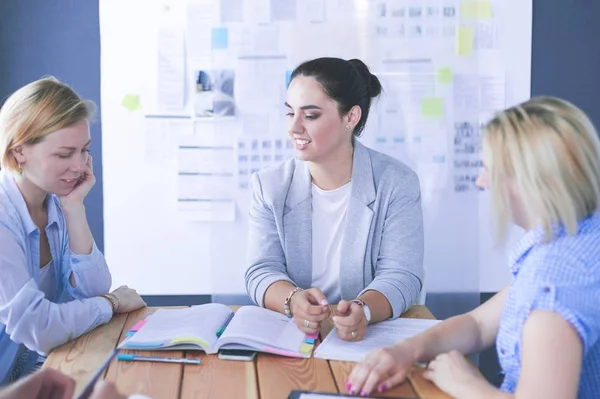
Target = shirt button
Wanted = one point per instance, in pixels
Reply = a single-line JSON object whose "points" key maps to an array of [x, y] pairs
{"points": [[546, 289], [502, 351]]}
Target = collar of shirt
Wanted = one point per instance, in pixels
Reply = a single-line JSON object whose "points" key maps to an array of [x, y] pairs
{"points": [[7, 182], [522, 248]]}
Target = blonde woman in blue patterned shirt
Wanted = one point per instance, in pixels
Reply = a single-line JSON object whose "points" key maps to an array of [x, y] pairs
{"points": [[542, 164]]}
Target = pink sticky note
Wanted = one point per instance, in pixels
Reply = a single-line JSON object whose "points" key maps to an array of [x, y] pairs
{"points": [[138, 325], [282, 353], [313, 335]]}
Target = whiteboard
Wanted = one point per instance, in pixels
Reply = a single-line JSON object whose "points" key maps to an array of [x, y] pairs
{"points": [[192, 104]]}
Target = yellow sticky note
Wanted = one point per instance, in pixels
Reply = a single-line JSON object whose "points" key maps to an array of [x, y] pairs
{"points": [[444, 75], [131, 102], [465, 36], [476, 9], [306, 348], [187, 340], [432, 107]]}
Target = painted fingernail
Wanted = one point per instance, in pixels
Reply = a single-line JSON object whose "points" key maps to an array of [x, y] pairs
{"points": [[382, 387], [348, 387], [351, 391], [363, 393]]}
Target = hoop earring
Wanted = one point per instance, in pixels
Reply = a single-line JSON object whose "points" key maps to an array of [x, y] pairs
{"points": [[20, 171]]}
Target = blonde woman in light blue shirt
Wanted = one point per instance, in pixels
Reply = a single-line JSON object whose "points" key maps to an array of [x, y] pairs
{"points": [[55, 281]]}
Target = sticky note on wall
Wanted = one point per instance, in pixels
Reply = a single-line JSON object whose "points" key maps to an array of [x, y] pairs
{"points": [[465, 37], [432, 107], [220, 38], [131, 102], [475, 9], [444, 75]]}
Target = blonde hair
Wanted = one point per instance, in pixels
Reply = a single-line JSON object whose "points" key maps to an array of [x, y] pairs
{"points": [[550, 150], [35, 111]]}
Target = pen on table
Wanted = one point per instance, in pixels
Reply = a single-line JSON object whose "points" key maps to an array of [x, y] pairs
{"points": [[134, 358], [225, 324]]}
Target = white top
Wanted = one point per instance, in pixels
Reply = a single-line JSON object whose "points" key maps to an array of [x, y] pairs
{"points": [[328, 225], [47, 280]]}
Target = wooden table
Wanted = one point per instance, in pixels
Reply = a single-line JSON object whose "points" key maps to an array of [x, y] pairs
{"points": [[267, 377]]}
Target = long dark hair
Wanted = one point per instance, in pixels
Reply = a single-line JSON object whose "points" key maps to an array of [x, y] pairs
{"points": [[348, 83]]}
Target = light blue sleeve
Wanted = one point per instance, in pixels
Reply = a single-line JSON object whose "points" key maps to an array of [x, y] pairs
{"points": [[29, 317], [92, 276]]}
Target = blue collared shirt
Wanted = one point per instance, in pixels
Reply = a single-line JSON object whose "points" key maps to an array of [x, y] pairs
{"points": [[26, 316], [561, 276]]}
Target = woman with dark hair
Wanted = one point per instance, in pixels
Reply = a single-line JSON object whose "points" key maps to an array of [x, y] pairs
{"points": [[339, 223]]}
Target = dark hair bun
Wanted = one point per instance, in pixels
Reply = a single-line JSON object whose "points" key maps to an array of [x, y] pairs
{"points": [[373, 84]]}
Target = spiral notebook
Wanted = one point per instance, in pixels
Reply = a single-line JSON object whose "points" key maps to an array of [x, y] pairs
{"points": [[215, 326]]}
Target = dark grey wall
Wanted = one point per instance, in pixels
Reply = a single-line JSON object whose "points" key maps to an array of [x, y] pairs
{"points": [[59, 38], [566, 52]]}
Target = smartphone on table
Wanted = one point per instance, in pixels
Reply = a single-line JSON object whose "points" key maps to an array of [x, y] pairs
{"points": [[237, 354]]}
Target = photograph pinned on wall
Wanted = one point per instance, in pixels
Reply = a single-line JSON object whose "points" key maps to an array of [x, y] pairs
{"points": [[214, 95]]}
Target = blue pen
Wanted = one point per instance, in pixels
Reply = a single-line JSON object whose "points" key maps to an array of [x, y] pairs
{"points": [[132, 358], [224, 326]]}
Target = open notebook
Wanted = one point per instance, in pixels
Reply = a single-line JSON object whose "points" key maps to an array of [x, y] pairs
{"points": [[196, 328], [378, 335]]}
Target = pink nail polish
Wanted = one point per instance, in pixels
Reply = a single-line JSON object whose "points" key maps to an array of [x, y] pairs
{"points": [[382, 387], [363, 393]]}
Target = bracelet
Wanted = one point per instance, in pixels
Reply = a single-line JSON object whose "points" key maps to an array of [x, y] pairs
{"points": [[114, 301], [286, 304]]}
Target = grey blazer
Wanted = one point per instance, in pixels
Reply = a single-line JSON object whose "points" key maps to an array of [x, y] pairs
{"points": [[382, 248]]}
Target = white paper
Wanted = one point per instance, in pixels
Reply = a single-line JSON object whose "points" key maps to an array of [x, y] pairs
{"points": [[487, 36], [378, 335], [492, 93], [202, 16], [232, 11], [207, 160], [473, 93], [311, 11], [467, 155], [156, 141], [283, 10], [199, 322], [404, 93], [171, 70], [205, 186], [252, 41], [259, 91], [257, 12]]}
